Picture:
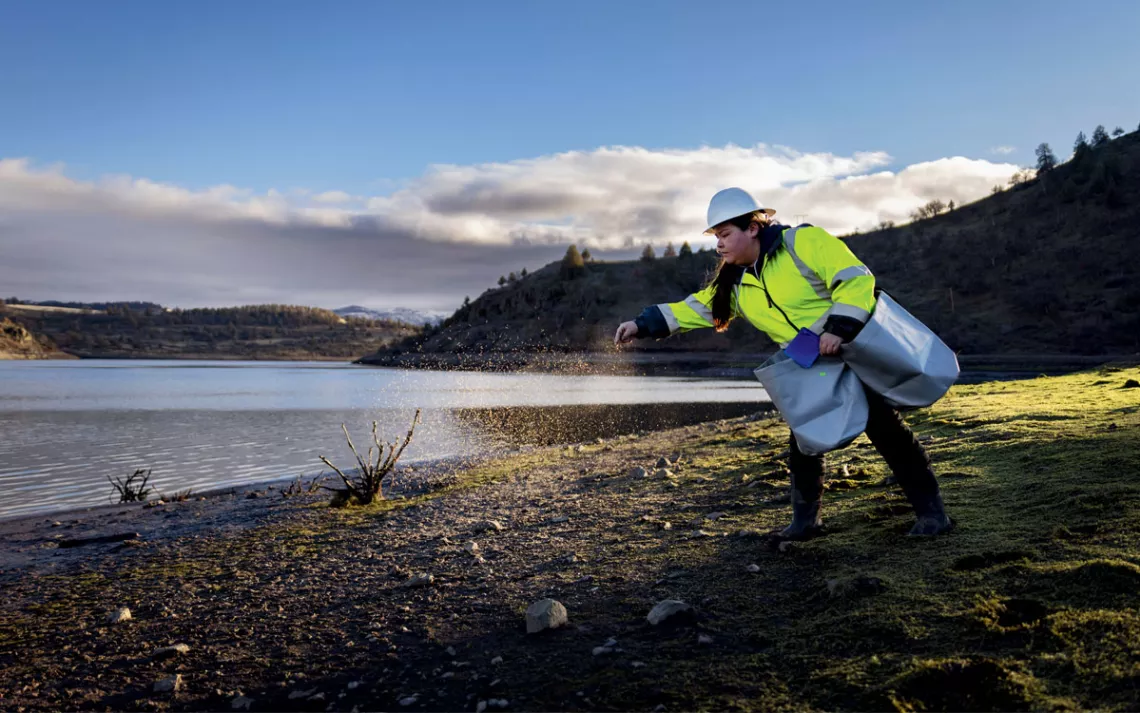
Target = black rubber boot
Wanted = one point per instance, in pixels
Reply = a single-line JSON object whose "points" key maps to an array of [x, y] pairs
{"points": [[806, 521], [931, 518]]}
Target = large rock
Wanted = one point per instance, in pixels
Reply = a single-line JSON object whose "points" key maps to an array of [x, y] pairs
{"points": [[670, 610], [545, 614], [169, 685]]}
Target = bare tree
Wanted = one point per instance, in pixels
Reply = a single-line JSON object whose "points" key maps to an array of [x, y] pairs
{"points": [[366, 486], [134, 488]]}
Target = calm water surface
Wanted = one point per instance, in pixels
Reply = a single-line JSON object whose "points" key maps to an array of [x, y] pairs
{"points": [[65, 426]]}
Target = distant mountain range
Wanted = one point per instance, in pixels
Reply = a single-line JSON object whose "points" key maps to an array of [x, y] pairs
{"points": [[401, 314]]}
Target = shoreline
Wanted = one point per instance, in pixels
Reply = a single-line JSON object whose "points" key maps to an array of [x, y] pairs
{"points": [[288, 604]]}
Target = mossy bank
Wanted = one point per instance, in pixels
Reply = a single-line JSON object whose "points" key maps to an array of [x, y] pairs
{"points": [[1030, 604]]}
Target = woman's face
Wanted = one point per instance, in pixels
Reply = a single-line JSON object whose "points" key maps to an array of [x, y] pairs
{"points": [[736, 246]]}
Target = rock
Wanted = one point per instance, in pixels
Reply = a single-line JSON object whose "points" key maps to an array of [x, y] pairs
{"points": [[353, 685], [471, 548], [558, 520], [497, 660], [295, 695], [166, 652], [409, 700], [786, 546], [637, 664], [665, 525], [663, 462], [670, 609], [481, 706], [602, 650], [320, 697], [450, 651], [489, 526], [498, 703], [420, 580], [169, 685], [714, 516], [1131, 384], [119, 616], [253, 495], [663, 473], [638, 472], [704, 639], [240, 702], [753, 568], [545, 614]]}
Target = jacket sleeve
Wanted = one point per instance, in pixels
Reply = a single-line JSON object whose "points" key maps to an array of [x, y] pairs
{"points": [[851, 283], [693, 312]]}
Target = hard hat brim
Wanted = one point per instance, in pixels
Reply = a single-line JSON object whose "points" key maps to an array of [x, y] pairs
{"points": [[767, 211]]}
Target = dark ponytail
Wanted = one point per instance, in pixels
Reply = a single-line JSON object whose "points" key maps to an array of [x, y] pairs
{"points": [[728, 276]]}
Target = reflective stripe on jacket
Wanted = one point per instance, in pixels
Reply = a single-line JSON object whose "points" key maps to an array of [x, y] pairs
{"points": [[812, 276]]}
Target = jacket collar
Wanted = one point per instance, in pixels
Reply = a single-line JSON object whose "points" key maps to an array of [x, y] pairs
{"points": [[771, 238]]}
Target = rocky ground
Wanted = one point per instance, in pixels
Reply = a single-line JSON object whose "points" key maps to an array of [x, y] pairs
{"points": [[421, 603]]}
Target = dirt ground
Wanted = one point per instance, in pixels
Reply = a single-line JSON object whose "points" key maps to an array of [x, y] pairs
{"points": [[286, 604]]}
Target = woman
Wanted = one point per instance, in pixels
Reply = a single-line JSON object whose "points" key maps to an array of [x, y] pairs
{"points": [[820, 283]]}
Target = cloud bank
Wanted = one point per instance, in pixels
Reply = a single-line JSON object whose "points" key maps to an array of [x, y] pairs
{"points": [[448, 233]]}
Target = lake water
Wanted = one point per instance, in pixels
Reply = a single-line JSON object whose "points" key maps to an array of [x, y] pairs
{"points": [[65, 426]]}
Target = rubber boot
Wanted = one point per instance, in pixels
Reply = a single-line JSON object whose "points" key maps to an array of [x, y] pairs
{"points": [[930, 516], [806, 522]]}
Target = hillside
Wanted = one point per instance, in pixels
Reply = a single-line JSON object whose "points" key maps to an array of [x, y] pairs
{"points": [[256, 332], [16, 342], [1047, 267]]}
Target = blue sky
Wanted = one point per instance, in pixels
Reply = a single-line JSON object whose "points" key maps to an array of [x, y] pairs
{"points": [[353, 95], [411, 152]]}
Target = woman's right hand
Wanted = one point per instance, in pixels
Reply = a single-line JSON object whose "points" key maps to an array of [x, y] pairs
{"points": [[626, 332]]}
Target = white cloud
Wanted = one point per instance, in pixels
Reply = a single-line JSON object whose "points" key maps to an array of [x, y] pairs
{"points": [[1003, 150], [609, 198]]}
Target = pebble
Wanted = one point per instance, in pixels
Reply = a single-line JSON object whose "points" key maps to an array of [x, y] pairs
{"points": [[545, 614], [663, 462], [169, 685], [639, 472], [294, 695], [481, 706], [637, 664], [786, 546], [558, 519], [166, 652], [704, 639], [496, 660], [602, 650], [119, 616], [753, 568], [409, 700], [472, 548], [489, 525], [450, 651], [668, 609], [420, 580], [498, 703], [353, 685], [240, 702], [663, 473]]}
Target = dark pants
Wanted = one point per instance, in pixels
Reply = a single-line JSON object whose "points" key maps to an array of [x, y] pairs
{"points": [[893, 439]]}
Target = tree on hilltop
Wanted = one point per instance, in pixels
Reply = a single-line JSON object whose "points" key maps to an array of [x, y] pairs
{"points": [[1099, 137], [669, 251], [1046, 161], [686, 249], [647, 254], [572, 263]]}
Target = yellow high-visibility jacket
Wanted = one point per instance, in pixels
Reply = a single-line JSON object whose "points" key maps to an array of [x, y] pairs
{"points": [[810, 274]]}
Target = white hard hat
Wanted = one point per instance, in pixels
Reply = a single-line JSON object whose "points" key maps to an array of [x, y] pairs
{"points": [[732, 203]]}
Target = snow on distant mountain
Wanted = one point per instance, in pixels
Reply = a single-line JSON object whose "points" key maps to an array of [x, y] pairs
{"points": [[411, 316]]}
